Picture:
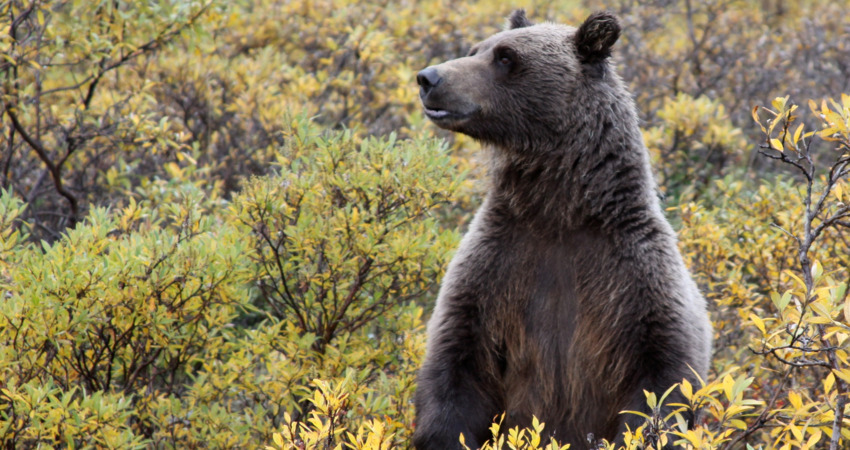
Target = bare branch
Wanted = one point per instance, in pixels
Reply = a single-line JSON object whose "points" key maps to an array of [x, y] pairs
{"points": [[774, 225], [55, 171], [782, 157]]}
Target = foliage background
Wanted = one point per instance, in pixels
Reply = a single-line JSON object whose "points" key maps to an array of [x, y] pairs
{"points": [[223, 224]]}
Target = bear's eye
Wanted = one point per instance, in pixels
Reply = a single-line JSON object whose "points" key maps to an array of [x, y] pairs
{"points": [[473, 52], [505, 57]]}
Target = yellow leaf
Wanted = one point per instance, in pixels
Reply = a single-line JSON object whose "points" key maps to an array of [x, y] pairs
{"points": [[828, 383], [687, 389], [728, 385], [813, 106], [821, 310], [739, 424], [758, 322], [535, 424], [798, 435], [813, 440], [819, 320], [797, 133], [844, 374], [834, 119], [776, 144], [779, 103], [799, 280], [795, 399]]}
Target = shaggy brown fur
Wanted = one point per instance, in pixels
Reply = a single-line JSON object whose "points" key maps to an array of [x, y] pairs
{"points": [[567, 297]]}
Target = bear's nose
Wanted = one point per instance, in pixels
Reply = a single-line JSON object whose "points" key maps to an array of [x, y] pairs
{"points": [[428, 79]]}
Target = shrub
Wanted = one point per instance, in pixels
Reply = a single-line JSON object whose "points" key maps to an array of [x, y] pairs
{"points": [[157, 294], [348, 229], [71, 116], [345, 239], [126, 328], [111, 317]]}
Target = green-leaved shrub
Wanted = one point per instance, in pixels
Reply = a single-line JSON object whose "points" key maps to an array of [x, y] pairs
{"points": [[187, 325], [119, 312], [348, 229]]}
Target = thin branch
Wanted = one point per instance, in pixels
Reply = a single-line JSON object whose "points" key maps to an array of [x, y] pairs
{"points": [[832, 220], [766, 415], [774, 225], [8, 163], [782, 157], [55, 171], [151, 45]]}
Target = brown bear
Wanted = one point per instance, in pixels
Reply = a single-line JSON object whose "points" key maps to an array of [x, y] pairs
{"points": [[568, 296]]}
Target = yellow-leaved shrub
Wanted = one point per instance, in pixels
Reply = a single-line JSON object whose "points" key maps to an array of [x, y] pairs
{"points": [[187, 260]]}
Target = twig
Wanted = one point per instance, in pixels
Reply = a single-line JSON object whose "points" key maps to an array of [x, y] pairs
{"points": [[766, 414], [55, 171]]}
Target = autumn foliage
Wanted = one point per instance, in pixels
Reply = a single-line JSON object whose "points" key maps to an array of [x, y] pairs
{"points": [[223, 224]]}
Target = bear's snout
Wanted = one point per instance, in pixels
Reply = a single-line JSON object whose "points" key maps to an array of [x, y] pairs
{"points": [[428, 79], [446, 96]]}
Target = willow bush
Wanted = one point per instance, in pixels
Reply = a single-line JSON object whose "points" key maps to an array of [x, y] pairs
{"points": [[187, 260]]}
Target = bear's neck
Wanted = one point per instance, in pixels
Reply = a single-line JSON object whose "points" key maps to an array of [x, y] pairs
{"points": [[597, 176]]}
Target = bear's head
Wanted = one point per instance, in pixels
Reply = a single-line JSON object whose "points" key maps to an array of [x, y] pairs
{"points": [[522, 84]]}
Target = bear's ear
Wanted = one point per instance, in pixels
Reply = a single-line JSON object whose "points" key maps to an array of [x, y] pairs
{"points": [[517, 19], [594, 38]]}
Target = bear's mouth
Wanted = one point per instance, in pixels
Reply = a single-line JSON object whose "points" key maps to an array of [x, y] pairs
{"points": [[437, 114], [444, 115]]}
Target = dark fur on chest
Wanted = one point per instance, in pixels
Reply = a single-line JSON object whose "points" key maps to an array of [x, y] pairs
{"points": [[550, 322]]}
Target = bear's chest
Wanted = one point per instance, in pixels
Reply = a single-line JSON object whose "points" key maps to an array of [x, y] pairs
{"points": [[535, 284]]}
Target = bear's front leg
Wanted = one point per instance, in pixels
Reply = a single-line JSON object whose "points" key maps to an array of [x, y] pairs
{"points": [[457, 391]]}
